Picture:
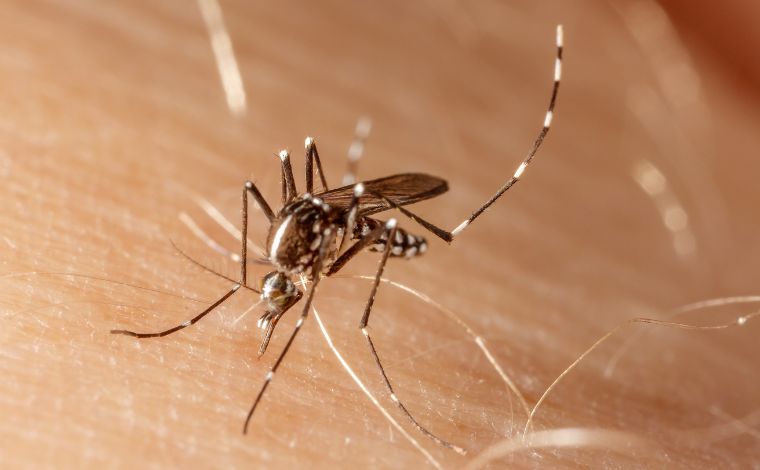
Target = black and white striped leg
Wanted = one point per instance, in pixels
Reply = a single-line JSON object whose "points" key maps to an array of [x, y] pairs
{"points": [[390, 226], [288, 183], [182, 326], [356, 150], [448, 236], [312, 155], [328, 238]]}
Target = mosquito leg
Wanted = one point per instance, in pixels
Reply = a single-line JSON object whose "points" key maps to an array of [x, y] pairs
{"points": [[356, 150], [249, 187], [327, 239], [183, 325], [268, 322], [390, 226], [448, 236], [311, 155], [536, 144], [288, 183]]}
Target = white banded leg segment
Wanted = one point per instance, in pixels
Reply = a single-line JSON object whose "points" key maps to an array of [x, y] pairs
{"points": [[548, 119], [460, 227], [520, 170]]}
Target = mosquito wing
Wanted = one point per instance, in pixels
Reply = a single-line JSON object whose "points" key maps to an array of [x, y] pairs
{"points": [[403, 189]]}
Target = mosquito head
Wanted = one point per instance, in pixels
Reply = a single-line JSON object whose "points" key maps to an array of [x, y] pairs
{"points": [[277, 290]]}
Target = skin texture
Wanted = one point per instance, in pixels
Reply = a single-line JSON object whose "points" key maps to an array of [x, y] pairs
{"points": [[113, 122]]}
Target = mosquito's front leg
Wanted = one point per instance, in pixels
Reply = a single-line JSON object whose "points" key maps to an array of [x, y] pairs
{"points": [[328, 238]]}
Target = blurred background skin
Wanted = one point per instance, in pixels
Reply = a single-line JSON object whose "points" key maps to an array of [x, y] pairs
{"points": [[113, 122]]}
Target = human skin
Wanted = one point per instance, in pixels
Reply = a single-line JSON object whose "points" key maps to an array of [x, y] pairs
{"points": [[113, 122]]}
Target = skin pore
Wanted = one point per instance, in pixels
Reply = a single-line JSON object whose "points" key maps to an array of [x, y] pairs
{"points": [[116, 136]]}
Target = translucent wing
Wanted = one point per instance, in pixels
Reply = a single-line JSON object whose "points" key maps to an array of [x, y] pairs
{"points": [[403, 189]]}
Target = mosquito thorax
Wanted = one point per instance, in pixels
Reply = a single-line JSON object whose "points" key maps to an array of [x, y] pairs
{"points": [[296, 234], [277, 290]]}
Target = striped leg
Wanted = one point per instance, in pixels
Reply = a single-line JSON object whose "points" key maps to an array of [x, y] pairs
{"points": [[312, 155], [536, 144], [351, 214], [449, 236]]}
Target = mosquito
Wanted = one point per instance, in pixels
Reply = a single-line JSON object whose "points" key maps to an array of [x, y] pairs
{"points": [[315, 234]]}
